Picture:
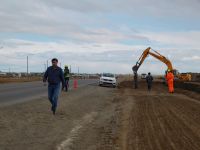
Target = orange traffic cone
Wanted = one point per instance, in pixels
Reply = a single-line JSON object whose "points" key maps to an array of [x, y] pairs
{"points": [[75, 84]]}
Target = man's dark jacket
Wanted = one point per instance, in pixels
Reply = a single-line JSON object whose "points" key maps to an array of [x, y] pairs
{"points": [[54, 75], [149, 79]]}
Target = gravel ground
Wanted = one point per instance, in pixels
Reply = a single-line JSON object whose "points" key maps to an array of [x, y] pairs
{"points": [[102, 118]]}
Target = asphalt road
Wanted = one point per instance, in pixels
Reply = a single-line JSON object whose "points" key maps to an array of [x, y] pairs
{"points": [[20, 92]]}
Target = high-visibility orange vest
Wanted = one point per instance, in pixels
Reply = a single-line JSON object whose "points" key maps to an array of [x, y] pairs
{"points": [[170, 76]]}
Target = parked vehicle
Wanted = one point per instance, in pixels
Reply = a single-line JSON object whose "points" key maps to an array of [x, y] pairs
{"points": [[108, 79], [143, 76]]}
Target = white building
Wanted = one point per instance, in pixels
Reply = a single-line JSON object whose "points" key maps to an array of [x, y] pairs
{"points": [[2, 74]]}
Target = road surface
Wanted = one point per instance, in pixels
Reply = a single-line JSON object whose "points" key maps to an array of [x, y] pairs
{"points": [[20, 92]]}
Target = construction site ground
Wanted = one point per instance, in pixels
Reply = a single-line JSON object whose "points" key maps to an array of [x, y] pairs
{"points": [[102, 118]]}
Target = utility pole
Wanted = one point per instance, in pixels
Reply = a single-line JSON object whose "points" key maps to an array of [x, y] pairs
{"points": [[47, 64], [9, 72], [78, 70], [27, 66], [45, 67]]}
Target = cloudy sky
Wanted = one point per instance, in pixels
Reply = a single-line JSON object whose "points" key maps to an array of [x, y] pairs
{"points": [[99, 36]]}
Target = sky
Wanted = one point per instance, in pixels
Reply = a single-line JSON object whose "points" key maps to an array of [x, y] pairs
{"points": [[99, 36]]}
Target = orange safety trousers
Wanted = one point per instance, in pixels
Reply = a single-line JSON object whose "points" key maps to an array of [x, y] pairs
{"points": [[170, 82], [171, 85]]}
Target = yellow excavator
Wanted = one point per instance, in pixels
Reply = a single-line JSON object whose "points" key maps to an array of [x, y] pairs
{"points": [[180, 76]]}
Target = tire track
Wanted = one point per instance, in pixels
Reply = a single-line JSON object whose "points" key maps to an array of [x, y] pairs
{"points": [[67, 144]]}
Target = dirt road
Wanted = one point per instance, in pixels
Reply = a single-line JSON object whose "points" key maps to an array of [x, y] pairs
{"points": [[99, 118], [158, 120]]}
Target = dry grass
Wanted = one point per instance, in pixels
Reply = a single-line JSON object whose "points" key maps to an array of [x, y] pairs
{"points": [[24, 79]]}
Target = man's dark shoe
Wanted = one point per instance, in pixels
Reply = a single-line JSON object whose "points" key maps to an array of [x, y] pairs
{"points": [[54, 112], [51, 108]]}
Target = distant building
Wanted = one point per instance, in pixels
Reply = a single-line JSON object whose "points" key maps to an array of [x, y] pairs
{"points": [[3, 74]]}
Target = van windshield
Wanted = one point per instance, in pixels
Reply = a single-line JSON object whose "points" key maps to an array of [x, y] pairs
{"points": [[108, 75]]}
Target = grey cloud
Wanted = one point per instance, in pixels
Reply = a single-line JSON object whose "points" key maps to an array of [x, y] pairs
{"points": [[114, 59], [82, 6], [74, 20], [122, 56], [130, 57], [64, 17], [135, 7], [35, 17]]}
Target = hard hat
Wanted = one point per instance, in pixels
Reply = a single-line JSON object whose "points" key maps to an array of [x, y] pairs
{"points": [[66, 66]]}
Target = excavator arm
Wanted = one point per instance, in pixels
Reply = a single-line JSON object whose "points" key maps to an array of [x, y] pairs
{"points": [[156, 55], [181, 76], [141, 60]]}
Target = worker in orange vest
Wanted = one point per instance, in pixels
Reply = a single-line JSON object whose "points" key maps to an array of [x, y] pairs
{"points": [[170, 81]]}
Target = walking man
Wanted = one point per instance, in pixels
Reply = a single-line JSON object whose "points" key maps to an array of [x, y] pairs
{"points": [[66, 76], [54, 75], [149, 80]]}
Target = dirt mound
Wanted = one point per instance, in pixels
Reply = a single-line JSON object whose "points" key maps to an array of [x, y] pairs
{"points": [[125, 84], [188, 86], [141, 84]]}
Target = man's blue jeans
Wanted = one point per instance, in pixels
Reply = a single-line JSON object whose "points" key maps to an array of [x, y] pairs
{"points": [[53, 93]]}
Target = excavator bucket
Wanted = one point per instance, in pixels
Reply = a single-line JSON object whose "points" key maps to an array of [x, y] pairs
{"points": [[135, 68]]}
